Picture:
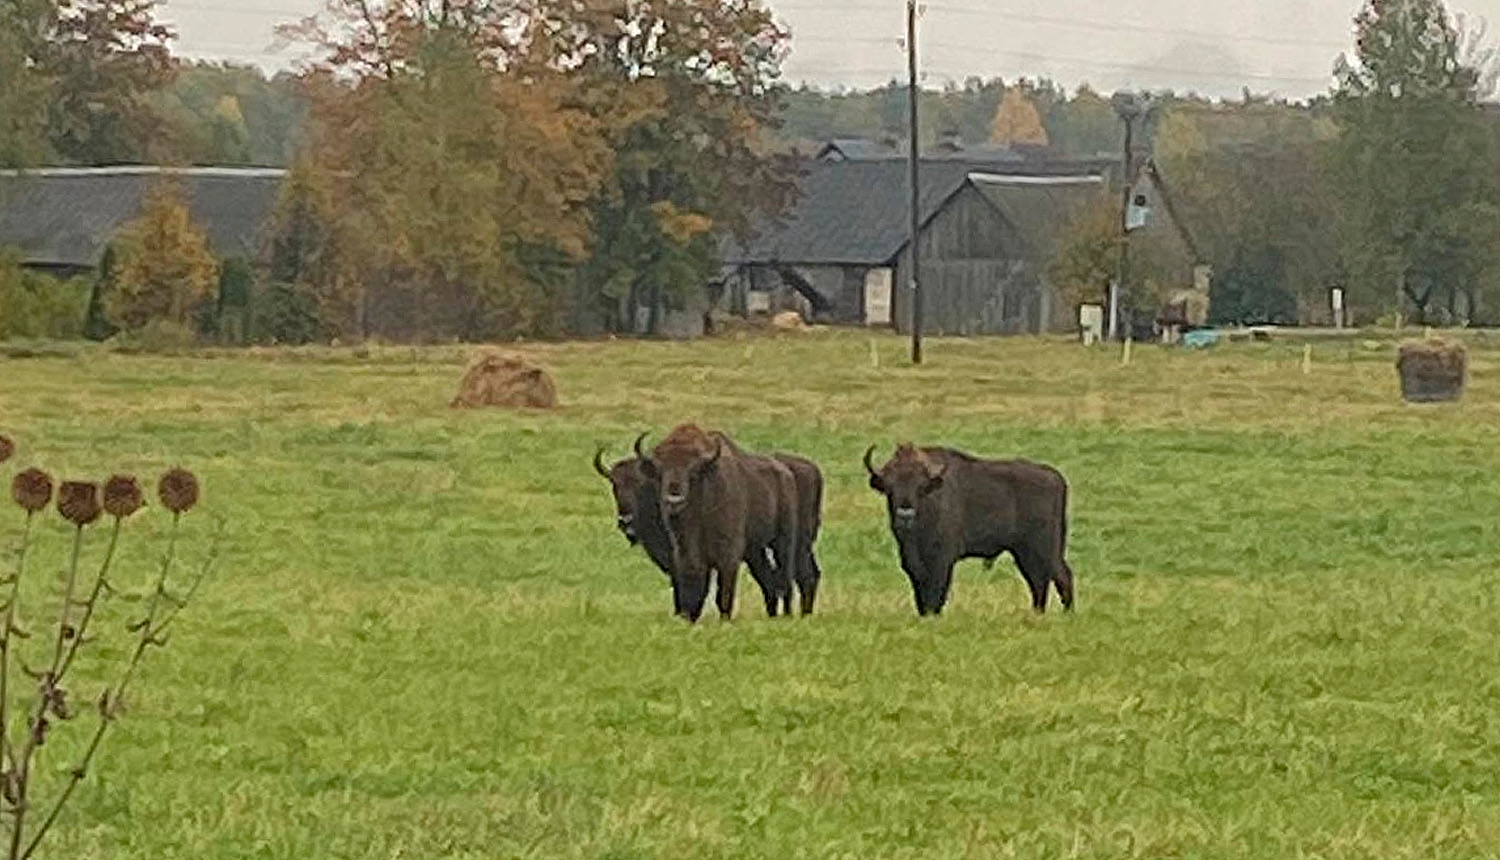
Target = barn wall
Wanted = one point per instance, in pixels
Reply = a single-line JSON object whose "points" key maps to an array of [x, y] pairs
{"points": [[1164, 229], [975, 280]]}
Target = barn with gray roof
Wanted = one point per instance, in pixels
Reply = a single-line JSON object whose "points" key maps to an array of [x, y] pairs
{"points": [[60, 219], [988, 229]]}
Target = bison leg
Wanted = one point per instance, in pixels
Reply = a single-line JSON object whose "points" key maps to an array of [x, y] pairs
{"points": [[1062, 577], [916, 574], [689, 592], [787, 570], [728, 577], [937, 588], [764, 574], [1037, 571], [728, 567], [809, 576]]}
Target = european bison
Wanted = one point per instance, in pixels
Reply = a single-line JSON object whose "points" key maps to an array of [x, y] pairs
{"points": [[720, 506], [637, 510], [946, 505], [638, 517], [809, 521]]}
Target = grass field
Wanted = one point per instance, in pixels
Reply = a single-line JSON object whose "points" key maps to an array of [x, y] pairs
{"points": [[427, 640]]}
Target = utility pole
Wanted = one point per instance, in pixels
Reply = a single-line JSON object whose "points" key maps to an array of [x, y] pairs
{"points": [[1128, 108], [912, 156]]}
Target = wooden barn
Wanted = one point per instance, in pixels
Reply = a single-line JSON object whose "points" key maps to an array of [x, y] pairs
{"points": [[988, 228], [59, 219]]}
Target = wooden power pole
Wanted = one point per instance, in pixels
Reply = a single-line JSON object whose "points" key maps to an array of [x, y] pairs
{"points": [[916, 199]]}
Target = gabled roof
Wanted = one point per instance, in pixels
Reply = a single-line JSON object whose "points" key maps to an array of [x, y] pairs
{"points": [[65, 216], [857, 149], [865, 149], [857, 212], [1039, 207]]}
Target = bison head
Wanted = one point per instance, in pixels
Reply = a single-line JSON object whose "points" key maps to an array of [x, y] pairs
{"points": [[906, 482], [677, 463], [626, 481]]}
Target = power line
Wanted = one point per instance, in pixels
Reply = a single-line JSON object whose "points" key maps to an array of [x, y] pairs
{"points": [[1113, 27], [1128, 67]]}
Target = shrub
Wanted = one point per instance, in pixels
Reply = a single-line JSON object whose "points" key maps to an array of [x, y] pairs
{"points": [[158, 336], [36, 306], [165, 269], [283, 313], [227, 323]]}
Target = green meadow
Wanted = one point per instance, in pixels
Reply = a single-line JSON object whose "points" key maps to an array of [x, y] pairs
{"points": [[425, 639]]}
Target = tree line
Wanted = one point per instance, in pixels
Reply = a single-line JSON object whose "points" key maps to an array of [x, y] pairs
{"points": [[485, 169]]}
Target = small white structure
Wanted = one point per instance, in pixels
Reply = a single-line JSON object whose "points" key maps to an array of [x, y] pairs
{"points": [[878, 297], [1091, 322]]}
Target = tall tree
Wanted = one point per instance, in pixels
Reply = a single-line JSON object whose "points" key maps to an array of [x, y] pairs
{"points": [[166, 271], [104, 57], [23, 88], [1417, 163], [1017, 121], [696, 156], [467, 164]]}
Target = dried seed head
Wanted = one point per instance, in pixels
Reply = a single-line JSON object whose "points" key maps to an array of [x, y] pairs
{"points": [[122, 496], [78, 502], [178, 490], [32, 489], [7, 448]]}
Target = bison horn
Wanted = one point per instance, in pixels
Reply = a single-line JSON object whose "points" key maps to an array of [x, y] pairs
{"points": [[599, 463], [869, 466], [718, 452], [638, 452]]}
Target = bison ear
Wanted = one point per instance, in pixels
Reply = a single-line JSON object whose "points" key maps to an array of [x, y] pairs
{"points": [[877, 483], [933, 483]]}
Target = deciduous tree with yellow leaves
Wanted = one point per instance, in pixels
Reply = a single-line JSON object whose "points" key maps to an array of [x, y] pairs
{"points": [[1017, 121], [165, 272]]}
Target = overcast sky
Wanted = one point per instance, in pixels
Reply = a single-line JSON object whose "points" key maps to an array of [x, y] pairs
{"points": [[1215, 47]]}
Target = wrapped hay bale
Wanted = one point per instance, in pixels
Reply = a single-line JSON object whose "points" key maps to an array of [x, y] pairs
{"points": [[1432, 370], [505, 380]]}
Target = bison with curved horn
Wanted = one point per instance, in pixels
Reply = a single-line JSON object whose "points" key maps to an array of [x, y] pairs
{"points": [[637, 509], [720, 506], [946, 505]]}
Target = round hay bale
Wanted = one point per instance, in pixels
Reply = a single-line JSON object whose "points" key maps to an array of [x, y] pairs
{"points": [[788, 321], [508, 381], [1432, 370]]}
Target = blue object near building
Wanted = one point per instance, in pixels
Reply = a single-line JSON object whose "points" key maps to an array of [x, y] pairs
{"points": [[1201, 338]]}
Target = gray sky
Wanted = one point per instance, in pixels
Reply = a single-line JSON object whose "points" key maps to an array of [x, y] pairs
{"points": [[1215, 47]]}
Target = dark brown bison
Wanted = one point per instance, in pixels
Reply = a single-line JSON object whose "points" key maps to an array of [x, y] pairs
{"points": [[946, 505], [637, 509], [638, 517], [809, 481], [719, 507]]}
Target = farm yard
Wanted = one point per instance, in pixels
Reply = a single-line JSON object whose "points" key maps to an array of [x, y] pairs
{"points": [[426, 638]]}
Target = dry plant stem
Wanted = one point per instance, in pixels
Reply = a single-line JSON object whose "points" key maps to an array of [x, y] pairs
{"points": [[5, 639], [101, 582], [64, 615], [34, 727], [151, 629]]}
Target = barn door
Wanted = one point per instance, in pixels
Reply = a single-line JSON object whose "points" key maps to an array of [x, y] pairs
{"points": [[878, 297]]}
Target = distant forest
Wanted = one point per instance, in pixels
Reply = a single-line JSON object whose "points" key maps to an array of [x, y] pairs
{"points": [[629, 148]]}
